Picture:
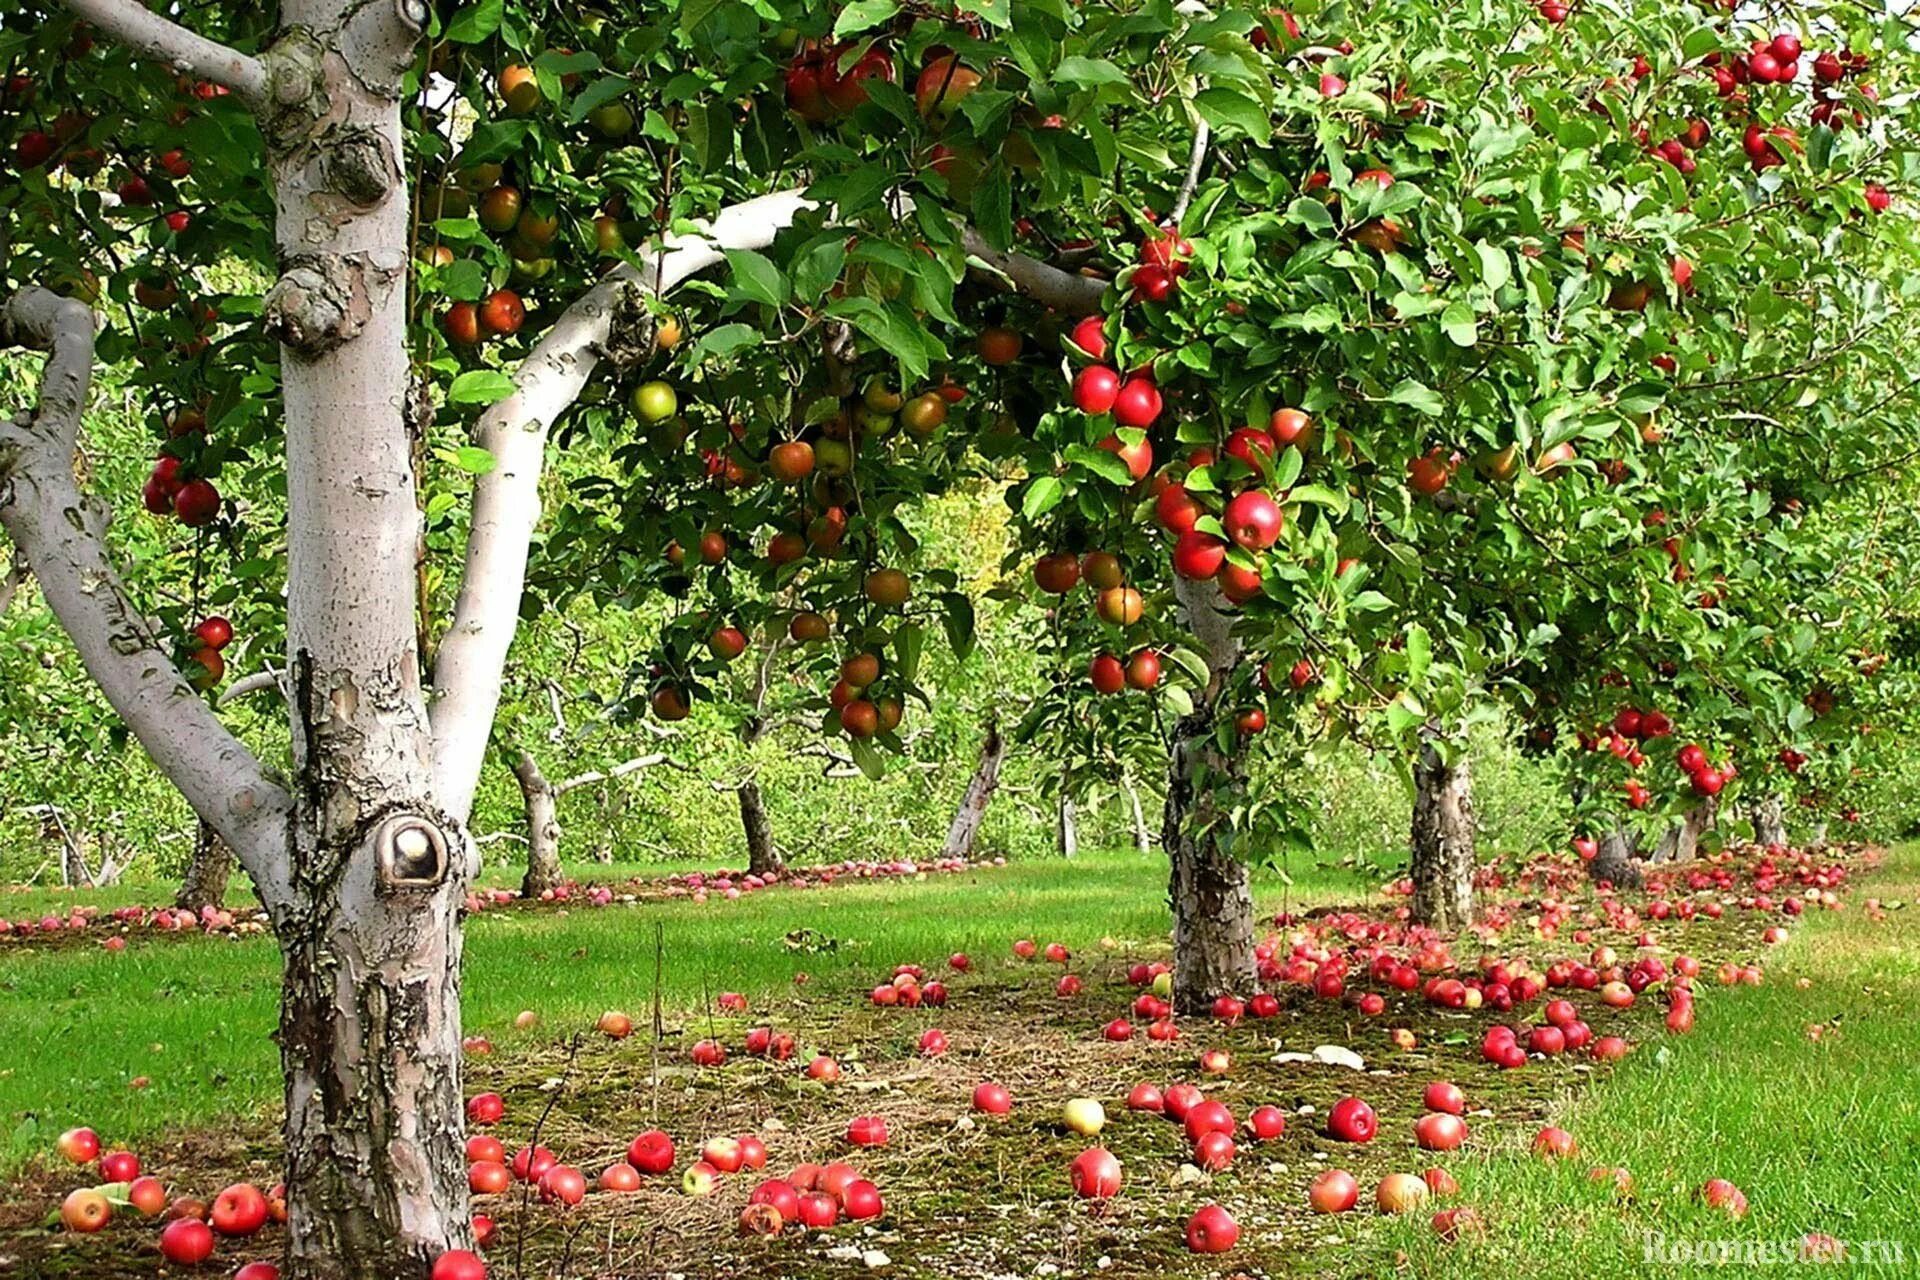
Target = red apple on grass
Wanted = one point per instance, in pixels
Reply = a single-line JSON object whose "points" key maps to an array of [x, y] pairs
{"points": [[80, 1146], [85, 1211], [1095, 1174], [187, 1242], [459, 1264], [1334, 1191], [240, 1210], [1352, 1120], [1212, 1230]]}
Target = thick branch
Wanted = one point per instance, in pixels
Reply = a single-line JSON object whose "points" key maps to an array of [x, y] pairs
{"points": [[1064, 291], [620, 770], [61, 535], [152, 36]]}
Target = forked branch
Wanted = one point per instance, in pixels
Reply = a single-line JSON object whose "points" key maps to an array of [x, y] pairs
{"points": [[61, 535]]}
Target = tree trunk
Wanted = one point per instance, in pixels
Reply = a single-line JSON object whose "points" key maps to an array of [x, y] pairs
{"points": [[1066, 826], [1817, 838], [965, 827], [1681, 842], [543, 828], [1142, 837], [1442, 841], [1210, 889], [1769, 814], [1615, 862], [763, 856], [205, 884]]}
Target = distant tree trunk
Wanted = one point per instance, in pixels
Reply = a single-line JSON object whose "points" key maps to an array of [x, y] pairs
{"points": [[1066, 826], [965, 828], [1615, 863], [1817, 838], [1681, 842], [1211, 889], [1142, 837], [543, 828], [763, 857], [1442, 841], [1769, 814], [206, 880]]}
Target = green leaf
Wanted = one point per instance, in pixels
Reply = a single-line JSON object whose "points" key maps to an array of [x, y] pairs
{"points": [[817, 266], [1335, 500], [479, 386], [1458, 323], [1042, 496], [1496, 269], [868, 759], [1107, 466], [862, 14], [1178, 700], [1088, 73], [1225, 108], [726, 340], [476, 22], [908, 642], [596, 95], [1419, 652], [959, 623], [756, 279], [993, 206], [1416, 395], [1310, 213], [473, 460], [896, 331]]}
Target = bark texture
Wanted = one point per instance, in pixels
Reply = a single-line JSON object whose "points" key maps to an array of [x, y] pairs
{"points": [[1137, 815], [205, 884], [1615, 862], [1681, 841], [1769, 815], [1210, 889], [1443, 837], [965, 827], [543, 828], [1066, 827], [763, 856]]}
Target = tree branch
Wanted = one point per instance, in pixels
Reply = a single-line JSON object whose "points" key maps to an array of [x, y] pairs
{"points": [[1195, 163], [247, 686], [620, 770], [150, 35], [13, 578], [61, 535], [1065, 291]]}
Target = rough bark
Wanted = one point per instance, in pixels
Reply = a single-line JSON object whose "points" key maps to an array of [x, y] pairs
{"points": [[1210, 889], [205, 884], [1769, 815], [1615, 862], [1680, 842], [763, 857], [965, 827], [1443, 837], [543, 828]]}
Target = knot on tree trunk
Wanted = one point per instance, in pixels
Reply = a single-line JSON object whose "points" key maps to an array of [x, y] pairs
{"points": [[296, 97], [360, 166], [322, 301]]}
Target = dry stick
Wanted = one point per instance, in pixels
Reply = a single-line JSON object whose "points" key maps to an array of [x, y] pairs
{"points": [[1195, 162], [533, 1145]]}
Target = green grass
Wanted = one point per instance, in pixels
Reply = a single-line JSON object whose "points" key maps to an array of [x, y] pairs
{"points": [[1823, 1136], [194, 1015]]}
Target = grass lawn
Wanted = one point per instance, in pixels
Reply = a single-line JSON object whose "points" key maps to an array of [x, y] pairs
{"points": [[193, 1015], [1823, 1135]]}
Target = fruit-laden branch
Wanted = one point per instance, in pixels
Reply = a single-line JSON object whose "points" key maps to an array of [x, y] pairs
{"points": [[152, 36], [61, 535], [506, 502]]}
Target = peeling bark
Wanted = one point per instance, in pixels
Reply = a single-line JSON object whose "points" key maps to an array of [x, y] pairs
{"points": [[1443, 838], [205, 884], [543, 828], [1769, 815], [1142, 836], [965, 827], [1210, 889]]}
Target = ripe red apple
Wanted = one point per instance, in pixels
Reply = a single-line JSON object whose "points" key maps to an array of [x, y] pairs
{"points": [[723, 1154], [488, 1178], [1352, 1120], [992, 1098], [1554, 1143], [186, 1242], [81, 1146], [486, 1108], [861, 1199], [563, 1184], [86, 1211], [258, 1271], [867, 1131], [1253, 520], [458, 1264], [1439, 1131], [823, 1068], [1334, 1191], [1096, 389], [1208, 1116], [780, 1195], [1137, 404], [819, 1210], [148, 1196], [120, 1166], [240, 1210], [1444, 1095], [620, 1177], [1718, 1193], [1267, 1123], [530, 1163], [1095, 1174], [1440, 1182], [1212, 1230], [1146, 1097], [651, 1153], [1106, 674], [1025, 949]]}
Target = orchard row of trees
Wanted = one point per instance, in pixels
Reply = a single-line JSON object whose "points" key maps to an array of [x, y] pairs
{"points": [[1356, 373]]}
